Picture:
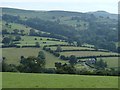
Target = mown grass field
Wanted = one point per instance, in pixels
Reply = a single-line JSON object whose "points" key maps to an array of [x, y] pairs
{"points": [[72, 48], [112, 61], [87, 53], [30, 40], [13, 55], [23, 80]]}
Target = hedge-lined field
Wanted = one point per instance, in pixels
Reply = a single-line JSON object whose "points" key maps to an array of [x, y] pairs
{"points": [[72, 48], [111, 61], [87, 53], [13, 55], [23, 80], [30, 40]]}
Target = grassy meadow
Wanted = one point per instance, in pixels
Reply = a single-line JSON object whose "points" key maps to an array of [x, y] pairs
{"points": [[30, 40], [23, 80], [13, 55], [112, 61], [87, 53], [72, 48]]}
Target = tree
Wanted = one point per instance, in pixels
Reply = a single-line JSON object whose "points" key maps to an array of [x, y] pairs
{"points": [[4, 65], [37, 44], [17, 38], [79, 43], [72, 59], [64, 68], [35, 38], [70, 41], [6, 40], [22, 59], [100, 64], [62, 57], [22, 32], [5, 31], [32, 32], [31, 64], [41, 55], [59, 49], [16, 31]]}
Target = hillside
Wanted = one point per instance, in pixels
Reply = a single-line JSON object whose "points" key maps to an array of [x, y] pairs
{"points": [[96, 28], [82, 43], [105, 14]]}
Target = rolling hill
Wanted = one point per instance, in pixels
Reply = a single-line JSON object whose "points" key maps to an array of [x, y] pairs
{"points": [[62, 36]]}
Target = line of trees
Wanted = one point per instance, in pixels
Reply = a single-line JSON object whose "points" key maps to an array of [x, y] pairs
{"points": [[33, 64]]}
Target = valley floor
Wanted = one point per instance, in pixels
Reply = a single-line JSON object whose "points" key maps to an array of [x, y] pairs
{"points": [[23, 80]]}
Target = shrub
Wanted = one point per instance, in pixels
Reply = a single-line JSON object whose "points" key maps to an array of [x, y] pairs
{"points": [[56, 54]]}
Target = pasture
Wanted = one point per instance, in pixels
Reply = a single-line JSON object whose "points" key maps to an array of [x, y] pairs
{"points": [[111, 61], [13, 55], [24, 80], [30, 40], [13, 26], [87, 53], [72, 48]]}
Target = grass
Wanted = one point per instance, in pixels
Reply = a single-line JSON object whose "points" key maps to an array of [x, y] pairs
{"points": [[18, 26], [111, 61], [23, 80], [30, 40], [13, 55], [72, 48], [66, 19], [86, 53]]}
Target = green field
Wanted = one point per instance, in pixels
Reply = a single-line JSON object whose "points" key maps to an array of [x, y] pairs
{"points": [[22, 80], [72, 48], [87, 53], [111, 61], [30, 40], [13, 55], [17, 26]]}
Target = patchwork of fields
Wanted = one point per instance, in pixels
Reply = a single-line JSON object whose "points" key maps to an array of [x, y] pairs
{"points": [[23, 80], [13, 55]]}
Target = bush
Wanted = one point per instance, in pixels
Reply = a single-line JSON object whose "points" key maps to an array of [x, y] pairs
{"points": [[17, 38], [49, 70], [56, 54], [35, 38], [64, 68], [12, 68], [62, 57]]}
